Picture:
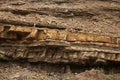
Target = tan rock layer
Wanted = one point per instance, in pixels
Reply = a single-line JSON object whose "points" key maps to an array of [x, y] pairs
{"points": [[54, 46], [57, 55], [36, 35]]}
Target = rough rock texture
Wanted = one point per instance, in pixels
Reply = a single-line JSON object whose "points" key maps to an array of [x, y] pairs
{"points": [[55, 31]]}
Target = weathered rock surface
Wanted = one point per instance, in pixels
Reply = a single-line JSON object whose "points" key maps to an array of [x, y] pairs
{"points": [[55, 31]]}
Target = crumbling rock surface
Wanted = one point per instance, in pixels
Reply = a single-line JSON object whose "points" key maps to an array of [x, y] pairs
{"points": [[60, 31]]}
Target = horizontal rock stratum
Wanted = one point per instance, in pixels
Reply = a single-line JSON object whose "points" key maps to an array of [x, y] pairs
{"points": [[56, 32]]}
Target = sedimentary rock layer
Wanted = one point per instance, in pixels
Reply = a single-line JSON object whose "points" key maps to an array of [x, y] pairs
{"points": [[55, 46], [55, 31], [98, 17]]}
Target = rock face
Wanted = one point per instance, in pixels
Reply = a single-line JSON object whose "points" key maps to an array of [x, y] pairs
{"points": [[55, 31]]}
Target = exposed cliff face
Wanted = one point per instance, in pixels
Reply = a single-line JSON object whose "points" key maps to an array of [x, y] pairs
{"points": [[54, 31], [55, 46]]}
